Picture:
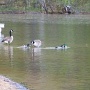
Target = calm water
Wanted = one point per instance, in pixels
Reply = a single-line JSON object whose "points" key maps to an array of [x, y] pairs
{"points": [[40, 69]]}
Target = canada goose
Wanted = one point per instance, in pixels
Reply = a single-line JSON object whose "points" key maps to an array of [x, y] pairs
{"points": [[64, 46], [36, 43], [8, 39]]}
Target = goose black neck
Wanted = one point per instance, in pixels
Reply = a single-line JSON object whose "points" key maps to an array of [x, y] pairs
{"points": [[10, 33]]}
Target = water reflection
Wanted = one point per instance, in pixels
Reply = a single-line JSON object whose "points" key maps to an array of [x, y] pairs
{"points": [[8, 52], [32, 62], [42, 27], [36, 52], [33, 56]]}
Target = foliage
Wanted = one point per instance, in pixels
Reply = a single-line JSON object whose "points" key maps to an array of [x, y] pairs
{"points": [[27, 5]]}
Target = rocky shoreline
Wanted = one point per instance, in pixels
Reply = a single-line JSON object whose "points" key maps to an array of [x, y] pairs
{"points": [[7, 84]]}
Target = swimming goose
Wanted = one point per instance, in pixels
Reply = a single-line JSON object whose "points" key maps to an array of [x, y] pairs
{"points": [[8, 39], [36, 43], [63, 46]]}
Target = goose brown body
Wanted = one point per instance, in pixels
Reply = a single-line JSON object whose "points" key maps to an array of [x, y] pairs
{"points": [[8, 39]]}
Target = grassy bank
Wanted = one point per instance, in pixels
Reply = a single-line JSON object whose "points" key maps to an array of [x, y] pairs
{"points": [[23, 6]]}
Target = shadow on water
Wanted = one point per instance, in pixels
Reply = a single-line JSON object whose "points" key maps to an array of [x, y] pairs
{"points": [[8, 52]]}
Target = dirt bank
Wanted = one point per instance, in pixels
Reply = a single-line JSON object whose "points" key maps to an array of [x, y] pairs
{"points": [[7, 84]]}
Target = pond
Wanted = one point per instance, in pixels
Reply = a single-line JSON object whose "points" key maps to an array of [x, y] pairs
{"points": [[47, 69]]}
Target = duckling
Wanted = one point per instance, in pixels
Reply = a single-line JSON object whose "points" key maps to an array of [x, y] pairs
{"points": [[8, 39]]}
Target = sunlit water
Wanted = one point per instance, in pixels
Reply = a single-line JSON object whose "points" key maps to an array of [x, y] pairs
{"points": [[47, 69]]}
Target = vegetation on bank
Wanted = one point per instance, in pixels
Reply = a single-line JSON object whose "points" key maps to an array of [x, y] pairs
{"points": [[45, 6]]}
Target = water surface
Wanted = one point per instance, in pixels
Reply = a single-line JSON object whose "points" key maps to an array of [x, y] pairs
{"points": [[47, 69]]}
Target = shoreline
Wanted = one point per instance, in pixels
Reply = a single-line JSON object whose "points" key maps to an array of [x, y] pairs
{"points": [[38, 12], [8, 84]]}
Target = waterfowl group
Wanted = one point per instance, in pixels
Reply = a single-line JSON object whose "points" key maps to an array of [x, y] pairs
{"points": [[34, 43]]}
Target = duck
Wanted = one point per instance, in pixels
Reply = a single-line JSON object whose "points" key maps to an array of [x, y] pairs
{"points": [[63, 46], [8, 39], [36, 43]]}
